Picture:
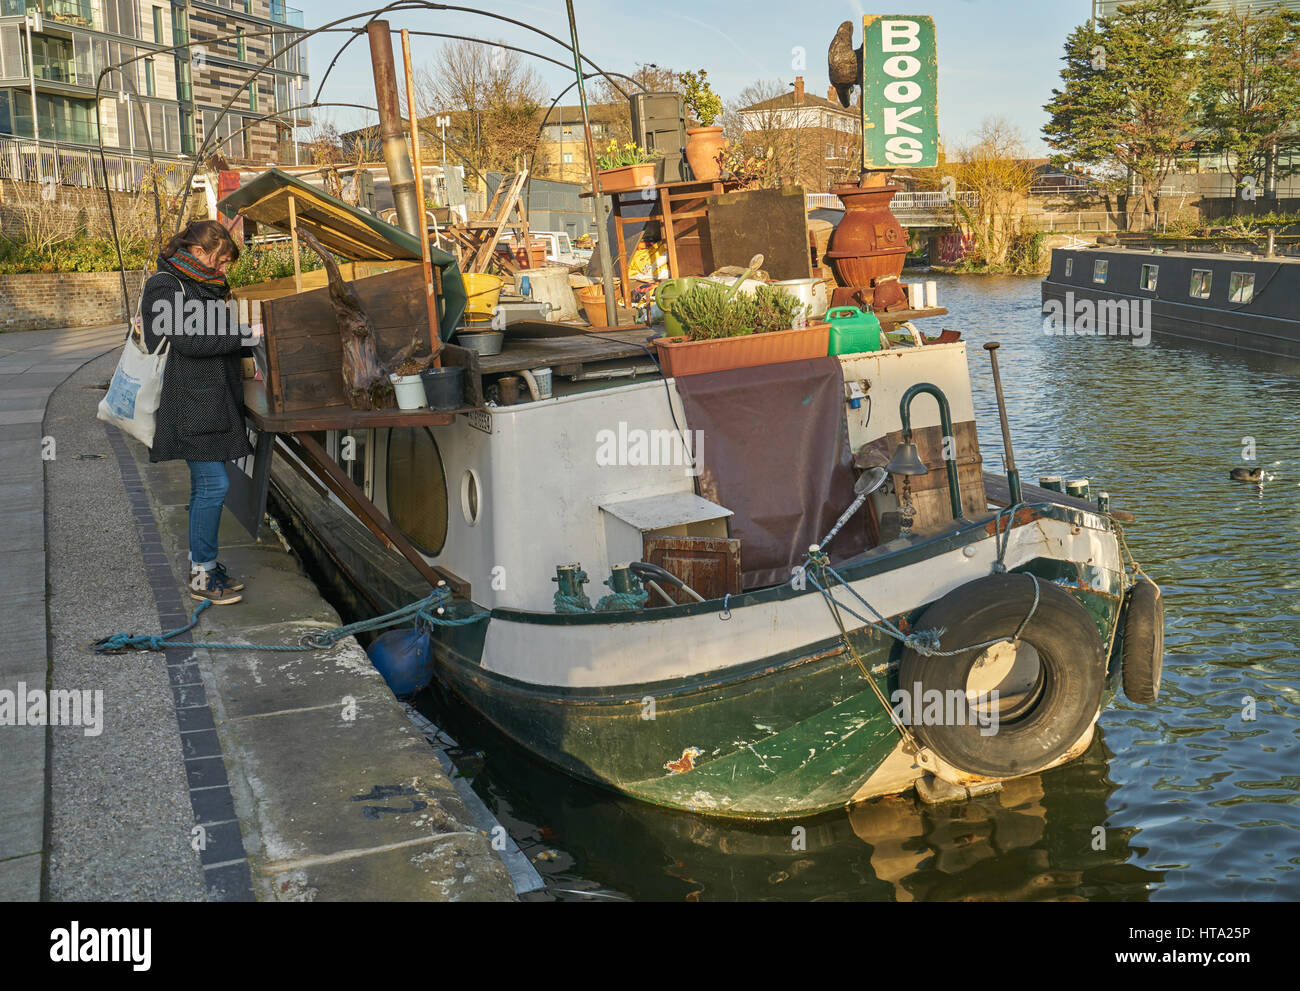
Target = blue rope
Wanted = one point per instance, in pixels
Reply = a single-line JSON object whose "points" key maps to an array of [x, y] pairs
{"points": [[428, 610]]}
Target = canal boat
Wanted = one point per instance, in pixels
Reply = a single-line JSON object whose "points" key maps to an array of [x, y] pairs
{"points": [[766, 698], [1245, 301], [814, 594]]}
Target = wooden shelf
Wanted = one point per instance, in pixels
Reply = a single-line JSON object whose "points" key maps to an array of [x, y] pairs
{"points": [[335, 417]]}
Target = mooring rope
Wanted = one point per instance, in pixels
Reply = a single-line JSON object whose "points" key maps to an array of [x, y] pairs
{"points": [[428, 610]]}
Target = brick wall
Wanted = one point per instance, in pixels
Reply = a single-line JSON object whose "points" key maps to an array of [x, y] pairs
{"points": [[64, 299]]}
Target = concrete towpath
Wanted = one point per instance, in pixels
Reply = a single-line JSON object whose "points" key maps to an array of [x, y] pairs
{"points": [[217, 775]]}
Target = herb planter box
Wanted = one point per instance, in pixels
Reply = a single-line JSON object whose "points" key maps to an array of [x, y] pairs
{"points": [[682, 357], [628, 179]]}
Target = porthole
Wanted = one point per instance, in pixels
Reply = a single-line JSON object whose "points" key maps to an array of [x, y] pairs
{"points": [[469, 496], [417, 488]]}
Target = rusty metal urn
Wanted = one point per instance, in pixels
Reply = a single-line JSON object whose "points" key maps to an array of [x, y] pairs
{"points": [[869, 244]]}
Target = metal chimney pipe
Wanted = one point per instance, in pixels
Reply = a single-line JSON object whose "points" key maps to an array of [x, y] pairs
{"points": [[1272, 243], [400, 175]]}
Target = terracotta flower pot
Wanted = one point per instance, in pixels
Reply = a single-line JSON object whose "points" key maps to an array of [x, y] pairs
{"points": [[704, 147], [682, 357]]}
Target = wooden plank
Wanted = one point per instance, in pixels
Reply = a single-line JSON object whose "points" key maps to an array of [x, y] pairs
{"points": [[297, 251], [709, 565], [257, 406], [554, 351], [304, 351], [306, 447], [770, 222]]}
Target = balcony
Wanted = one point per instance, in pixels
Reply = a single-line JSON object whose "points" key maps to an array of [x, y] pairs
{"points": [[282, 14]]}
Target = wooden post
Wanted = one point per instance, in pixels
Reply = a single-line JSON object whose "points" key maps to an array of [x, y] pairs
{"points": [[293, 235], [430, 303]]}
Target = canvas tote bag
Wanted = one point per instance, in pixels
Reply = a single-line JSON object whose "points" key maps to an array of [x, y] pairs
{"points": [[134, 393]]}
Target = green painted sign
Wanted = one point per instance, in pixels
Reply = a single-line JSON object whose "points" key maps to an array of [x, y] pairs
{"points": [[900, 92]]}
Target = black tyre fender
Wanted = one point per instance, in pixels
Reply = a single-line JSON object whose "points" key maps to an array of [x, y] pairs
{"points": [[1143, 653], [1055, 713]]}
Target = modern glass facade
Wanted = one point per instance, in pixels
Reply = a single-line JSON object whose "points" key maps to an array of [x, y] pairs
{"points": [[161, 99]]}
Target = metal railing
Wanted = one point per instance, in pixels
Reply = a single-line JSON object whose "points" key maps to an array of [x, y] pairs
{"points": [[22, 160], [1080, 220]]}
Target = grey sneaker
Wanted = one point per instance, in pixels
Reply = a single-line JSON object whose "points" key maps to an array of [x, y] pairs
{"points": [[212, 587]]}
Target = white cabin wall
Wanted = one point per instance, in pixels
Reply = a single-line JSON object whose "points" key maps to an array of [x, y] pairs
{"points": [[540, 490]]}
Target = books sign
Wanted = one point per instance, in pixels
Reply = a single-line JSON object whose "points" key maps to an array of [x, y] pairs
{"points": [[900, 94]]}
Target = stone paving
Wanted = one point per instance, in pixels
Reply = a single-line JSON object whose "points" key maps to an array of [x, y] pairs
{"points": [[217, 775]]}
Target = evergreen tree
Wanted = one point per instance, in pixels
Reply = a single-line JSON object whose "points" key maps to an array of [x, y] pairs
{"points": [[1129, 97], [1250, 96]]}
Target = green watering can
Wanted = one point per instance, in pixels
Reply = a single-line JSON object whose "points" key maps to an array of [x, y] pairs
{"points": [[666, 294]]}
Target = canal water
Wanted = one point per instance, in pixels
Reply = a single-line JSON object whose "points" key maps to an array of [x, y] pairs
{"points": [[1195, 798]]}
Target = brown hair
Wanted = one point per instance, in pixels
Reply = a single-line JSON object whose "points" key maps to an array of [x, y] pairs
{"points": [[210, 235]]}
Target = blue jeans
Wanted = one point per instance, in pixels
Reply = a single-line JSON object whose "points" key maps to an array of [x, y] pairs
{"points": [[208, 485]]}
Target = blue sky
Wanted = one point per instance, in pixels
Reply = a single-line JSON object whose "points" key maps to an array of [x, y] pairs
{"points": [[996, 57]]}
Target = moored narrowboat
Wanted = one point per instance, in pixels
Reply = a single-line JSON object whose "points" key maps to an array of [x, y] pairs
{"points": [[1244, 301]]}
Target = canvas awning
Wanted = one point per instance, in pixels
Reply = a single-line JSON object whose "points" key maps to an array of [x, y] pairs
{"points": [[344, 229]]}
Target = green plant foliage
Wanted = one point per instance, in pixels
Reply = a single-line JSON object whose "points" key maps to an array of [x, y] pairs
{"points": [[709, 311], [704, 104], [261, 263], [78, 254], [616, 156]]}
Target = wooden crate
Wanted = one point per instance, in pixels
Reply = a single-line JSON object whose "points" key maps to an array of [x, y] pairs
{"points": [[304, 352]]}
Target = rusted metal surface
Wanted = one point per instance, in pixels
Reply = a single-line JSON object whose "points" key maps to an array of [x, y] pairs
{"points": [[430, 299], [409, 214]]}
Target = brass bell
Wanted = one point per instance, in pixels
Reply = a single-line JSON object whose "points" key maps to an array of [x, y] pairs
{"points": [[906, 461]]}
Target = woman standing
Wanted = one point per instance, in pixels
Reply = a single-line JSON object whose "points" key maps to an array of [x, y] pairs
{"points": [[200, 415]]}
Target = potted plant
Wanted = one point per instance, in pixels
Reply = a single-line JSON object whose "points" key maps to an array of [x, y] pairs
{"points": [[727, 329], [625, 168], [704, 143]]}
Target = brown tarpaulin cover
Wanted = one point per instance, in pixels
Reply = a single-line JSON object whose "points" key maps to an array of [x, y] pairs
{"points": [[776, 453]]}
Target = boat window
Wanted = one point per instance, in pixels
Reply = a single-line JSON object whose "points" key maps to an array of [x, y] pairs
{"points": [[1099, 271], [1069, 267], [1241, 287], [417, 487], [1201, 279], [1149, 275]]}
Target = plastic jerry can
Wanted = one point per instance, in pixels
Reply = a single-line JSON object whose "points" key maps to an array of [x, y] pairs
{"points": [[853, 331]]}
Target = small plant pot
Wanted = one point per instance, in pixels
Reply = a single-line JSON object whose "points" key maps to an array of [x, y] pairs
{"points": [[409, 390], [444, 387]]}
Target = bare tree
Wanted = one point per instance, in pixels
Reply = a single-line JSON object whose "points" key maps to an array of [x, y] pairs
{"points": [[494, 100], [996, 168]]}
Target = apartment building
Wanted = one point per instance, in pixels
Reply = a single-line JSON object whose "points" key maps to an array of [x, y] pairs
{"points": [[814, 139], [53, 51]]}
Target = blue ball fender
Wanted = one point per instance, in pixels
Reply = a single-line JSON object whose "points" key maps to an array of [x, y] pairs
{"points": [[405, 658]]}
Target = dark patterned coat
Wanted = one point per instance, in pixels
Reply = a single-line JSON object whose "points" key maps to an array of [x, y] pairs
{"points": [[201, 410]]}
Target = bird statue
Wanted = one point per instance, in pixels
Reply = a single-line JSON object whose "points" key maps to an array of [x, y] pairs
{"points": [[844, 64]]}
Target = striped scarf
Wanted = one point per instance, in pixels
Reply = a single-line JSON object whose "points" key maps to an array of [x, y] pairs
{"points": [[196, 270]]}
